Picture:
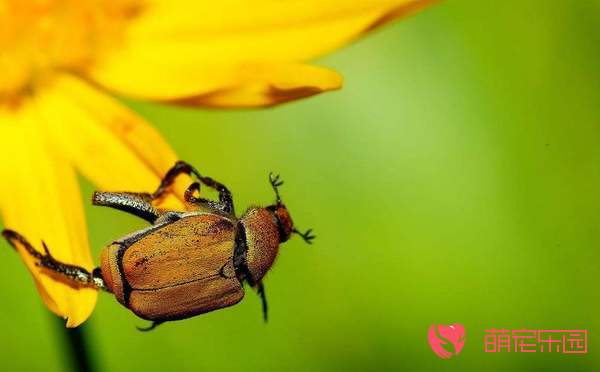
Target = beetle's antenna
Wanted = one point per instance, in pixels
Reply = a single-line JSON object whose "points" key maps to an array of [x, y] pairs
{"points": [[307, 236], [275, 183]]}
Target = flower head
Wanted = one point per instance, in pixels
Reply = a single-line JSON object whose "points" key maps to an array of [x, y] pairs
{"points": [[59, 58]]}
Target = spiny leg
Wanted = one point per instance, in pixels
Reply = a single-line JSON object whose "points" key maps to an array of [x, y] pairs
{"points": [[138, 204], [202, 202], [263, 298], [182, 167], [224, 194], [73, 273]]}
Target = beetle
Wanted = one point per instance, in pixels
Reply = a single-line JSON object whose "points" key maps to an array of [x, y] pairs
{"points": [[187, 262]]}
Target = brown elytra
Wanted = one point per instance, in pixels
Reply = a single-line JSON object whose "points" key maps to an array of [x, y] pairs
{"points": [[177, 271]]}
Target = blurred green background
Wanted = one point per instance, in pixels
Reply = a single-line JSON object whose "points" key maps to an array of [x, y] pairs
{"points": [[455, 178]]}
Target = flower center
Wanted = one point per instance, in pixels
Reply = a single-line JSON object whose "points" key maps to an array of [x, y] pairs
{"points": [[38, 37]]}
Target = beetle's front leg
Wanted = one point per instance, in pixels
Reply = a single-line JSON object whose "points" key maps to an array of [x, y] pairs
{"points": [[182, 167], [73, 273]]}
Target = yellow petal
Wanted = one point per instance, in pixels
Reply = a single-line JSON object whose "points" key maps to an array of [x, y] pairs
{"points": [[39, 198], [236, 53], [112, 146], [254, 85]]}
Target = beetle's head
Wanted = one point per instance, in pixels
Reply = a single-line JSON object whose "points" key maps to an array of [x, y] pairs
{"points": [[285, 224], [265, 229]]}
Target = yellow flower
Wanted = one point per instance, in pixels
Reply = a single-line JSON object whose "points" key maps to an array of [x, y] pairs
{"points": [[58, 58]]}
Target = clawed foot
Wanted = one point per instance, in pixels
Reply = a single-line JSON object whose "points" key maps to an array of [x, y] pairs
{"points": [[307, 236], [275, 180], [275, 183]]}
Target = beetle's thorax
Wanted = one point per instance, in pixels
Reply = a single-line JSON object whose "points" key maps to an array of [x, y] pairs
{"points": [[262, 241]]}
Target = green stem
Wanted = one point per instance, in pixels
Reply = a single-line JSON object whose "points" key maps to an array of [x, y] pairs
{"points": [[76, 345]]}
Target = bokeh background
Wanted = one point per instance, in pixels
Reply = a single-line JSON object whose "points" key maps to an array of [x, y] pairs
{"points": [[455, 178]]}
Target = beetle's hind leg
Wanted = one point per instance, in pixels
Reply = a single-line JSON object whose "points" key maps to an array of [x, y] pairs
{"points": [[73, 273], [138, 204]]}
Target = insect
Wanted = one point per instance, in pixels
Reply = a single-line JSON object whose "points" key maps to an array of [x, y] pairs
{"points": [[185, 263]]}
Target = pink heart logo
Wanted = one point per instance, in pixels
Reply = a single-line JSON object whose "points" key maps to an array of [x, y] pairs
{"points": [[446, 340]]}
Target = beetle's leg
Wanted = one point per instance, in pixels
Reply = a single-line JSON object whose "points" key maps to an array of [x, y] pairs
{"points": [[307, 236], [263, 297], [202, 202], [71, 272], [138, 204], [183, 167], [154, 324], [275, 182], [224, 194], [179, 168]]}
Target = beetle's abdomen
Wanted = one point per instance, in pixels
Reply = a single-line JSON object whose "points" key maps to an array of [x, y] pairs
{"points": [[176, 271]]}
